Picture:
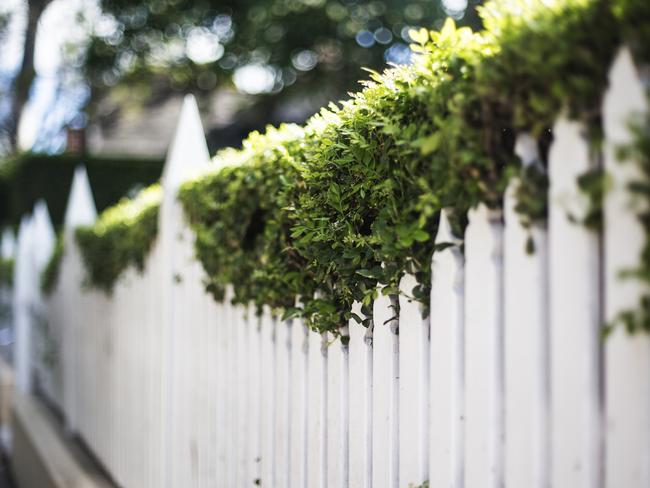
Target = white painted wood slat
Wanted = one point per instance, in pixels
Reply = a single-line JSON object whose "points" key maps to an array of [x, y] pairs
{"points": [[506, 384], [576, 375], [627, 357], [447, 362], [526, 342], [357, 408], [382, 381], [413, 428], [484, 430]]}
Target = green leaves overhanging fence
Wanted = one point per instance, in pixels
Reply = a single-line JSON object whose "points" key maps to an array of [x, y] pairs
{"points": [[341, 209]]}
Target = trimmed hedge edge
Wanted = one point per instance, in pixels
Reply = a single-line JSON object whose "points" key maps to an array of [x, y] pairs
{"points": [[341, 209]]}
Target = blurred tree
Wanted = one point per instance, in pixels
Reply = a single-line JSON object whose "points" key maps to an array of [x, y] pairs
{"points": [[280, 51], [5, 18], [4, 21], [22, 82]]}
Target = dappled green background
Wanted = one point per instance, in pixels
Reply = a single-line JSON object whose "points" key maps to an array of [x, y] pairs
{"points": [[309, 44], [140, 54], [29, 177]]}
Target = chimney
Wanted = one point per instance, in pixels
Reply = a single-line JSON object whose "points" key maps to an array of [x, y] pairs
{"points": [[76, 141]]}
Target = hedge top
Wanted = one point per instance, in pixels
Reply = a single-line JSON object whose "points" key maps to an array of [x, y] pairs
{"points": [[121, 236], [340, 209]]}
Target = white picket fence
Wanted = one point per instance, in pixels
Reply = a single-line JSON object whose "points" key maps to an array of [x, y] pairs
{"points": [[507, 385]]}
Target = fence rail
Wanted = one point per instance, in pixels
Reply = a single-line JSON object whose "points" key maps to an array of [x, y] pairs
{"points": [[507, 383]]}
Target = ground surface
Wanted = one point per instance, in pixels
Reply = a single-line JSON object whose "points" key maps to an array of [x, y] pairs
{"points": [[5, 474]]}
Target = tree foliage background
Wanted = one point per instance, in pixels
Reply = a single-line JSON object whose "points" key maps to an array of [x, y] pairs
{"points": [[279, 53]]}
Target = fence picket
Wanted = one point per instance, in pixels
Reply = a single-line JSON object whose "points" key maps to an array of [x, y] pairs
{"points": [[484, 349], [447, 362], [244, 397], [345, 407], [334, 424], [127, 423], [394, 392], [257, 366], [502, 385], [382, 376], [282, 426], [357, 408], [526, 342], [273, 410], [315, 374], [221, 368], [413, 429], [628, 392], [207, 424], [288, 389], [297, 402], [575, 317], [370, 408], [114, 320], [267, 403], [304, 407], [425, 392], [230, 436], [153, 392], [324, 400]]}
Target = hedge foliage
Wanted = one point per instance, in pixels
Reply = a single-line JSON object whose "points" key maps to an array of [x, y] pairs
{"points": [[309, 219], [341, 209], [122, 236], [6, 272], [638, 151], [244, 237], [50, 274], [29, 177]]}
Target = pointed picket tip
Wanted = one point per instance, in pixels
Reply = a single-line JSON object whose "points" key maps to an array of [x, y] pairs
{"points": [[23, 236], [624, 97], [80, 209], [44, 236], [526, 149], [22, 229], [444, 233], [43, 221], [188, 153], [23, 264], [478, 215], [8, 245]]}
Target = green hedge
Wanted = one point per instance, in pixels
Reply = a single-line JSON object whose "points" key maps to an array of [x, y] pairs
{"points": [[6, 272], [121, 237], [354, 197], [341, 209], [28, 177], [246, 233], [639, 152], [50, 274]]}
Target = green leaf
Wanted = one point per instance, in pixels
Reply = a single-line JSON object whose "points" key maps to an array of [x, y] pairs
{"points": [[430, 143], [291, 313], [420, 235], [421, 36]]}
